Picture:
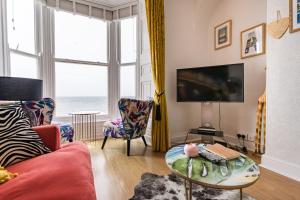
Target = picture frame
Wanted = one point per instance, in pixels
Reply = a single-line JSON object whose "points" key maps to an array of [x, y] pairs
{"points": [[223, 35], [253, 41], [294, 16]]}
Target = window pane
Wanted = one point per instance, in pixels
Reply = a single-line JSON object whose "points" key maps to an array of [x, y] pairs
{"points": [[128, 80], [20, 25], [23, 66], [80, 38], [80, 88], [128, 40]]}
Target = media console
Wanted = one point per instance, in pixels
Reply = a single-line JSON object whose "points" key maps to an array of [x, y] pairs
{"points": [[206, 131], [210, 135]]}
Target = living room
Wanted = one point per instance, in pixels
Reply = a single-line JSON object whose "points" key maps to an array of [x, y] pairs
{"points": [[93, 104]]}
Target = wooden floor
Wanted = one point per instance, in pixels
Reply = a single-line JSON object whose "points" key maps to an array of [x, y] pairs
{"points": [[116, 174]]}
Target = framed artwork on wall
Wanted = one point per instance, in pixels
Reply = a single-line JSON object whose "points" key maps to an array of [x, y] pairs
{"points": [[253, 41], [223, 35], [294, 16]]}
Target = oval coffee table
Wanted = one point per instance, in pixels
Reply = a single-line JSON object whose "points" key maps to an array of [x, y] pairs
{"points": [[234, 174]]}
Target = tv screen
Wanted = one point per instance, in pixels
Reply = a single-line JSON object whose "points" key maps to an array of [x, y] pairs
{"points": [[215, 83]]}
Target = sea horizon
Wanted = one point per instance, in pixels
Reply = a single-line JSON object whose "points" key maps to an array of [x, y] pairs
{"points": [[67, 104]]}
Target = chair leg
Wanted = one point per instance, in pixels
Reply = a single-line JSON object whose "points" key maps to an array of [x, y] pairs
{"points": [[128, 147], [104, 141], [144, 140]]}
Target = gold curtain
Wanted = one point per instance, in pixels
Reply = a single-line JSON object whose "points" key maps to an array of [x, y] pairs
{"points": [[156, 28], [260, 142]]}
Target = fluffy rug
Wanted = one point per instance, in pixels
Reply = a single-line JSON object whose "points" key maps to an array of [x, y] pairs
{"points": [[171, 187]]}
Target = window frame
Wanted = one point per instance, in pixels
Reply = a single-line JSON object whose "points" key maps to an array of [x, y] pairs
{"points": [[44, 24], [37, 41], [119, 62], [81, 62]]}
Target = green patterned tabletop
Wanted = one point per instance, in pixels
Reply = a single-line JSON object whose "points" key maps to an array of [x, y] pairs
{"points": [[233, 174]]}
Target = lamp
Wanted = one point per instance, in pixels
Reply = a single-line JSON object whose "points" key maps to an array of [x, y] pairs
{"points": [[20, 89]]}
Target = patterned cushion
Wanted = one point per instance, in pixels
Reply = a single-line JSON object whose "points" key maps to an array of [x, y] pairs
{"points": [[33, 110], [49, 106], [114, 128], [40, 112], [66, 132], [135, 115], [18, 141]]}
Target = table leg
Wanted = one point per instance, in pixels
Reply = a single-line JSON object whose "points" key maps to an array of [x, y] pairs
{"points": [[187, 135], [186, 190], [191, 188], [241, 194]]}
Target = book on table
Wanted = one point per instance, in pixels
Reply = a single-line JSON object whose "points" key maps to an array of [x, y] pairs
{"points": [[222, 151]]}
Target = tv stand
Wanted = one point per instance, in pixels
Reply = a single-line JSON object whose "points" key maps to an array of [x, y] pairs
{"points": [[205, 128], [209, 135], [206, 114]]}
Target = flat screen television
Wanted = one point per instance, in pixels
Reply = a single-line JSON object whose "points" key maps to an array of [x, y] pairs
{"points": [[223, 83]]}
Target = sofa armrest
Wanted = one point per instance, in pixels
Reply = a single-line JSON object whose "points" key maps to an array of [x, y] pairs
{"points": [[50, 136]]}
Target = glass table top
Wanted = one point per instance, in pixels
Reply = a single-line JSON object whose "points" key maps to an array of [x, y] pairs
{"points": [[231, 174]]}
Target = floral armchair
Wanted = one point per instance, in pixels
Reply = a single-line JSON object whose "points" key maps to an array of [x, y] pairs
{"points": [[41, 113], [133, 123]]}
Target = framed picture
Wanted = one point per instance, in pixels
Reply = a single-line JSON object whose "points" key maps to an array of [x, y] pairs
{"points": [[223, 35], [294, 16], [253, 41]]}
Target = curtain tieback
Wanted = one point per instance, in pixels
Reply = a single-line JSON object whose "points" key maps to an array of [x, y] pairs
{"points": [[158, 110]]}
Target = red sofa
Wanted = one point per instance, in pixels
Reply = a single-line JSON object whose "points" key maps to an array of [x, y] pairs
{"points": [[64, 174]]}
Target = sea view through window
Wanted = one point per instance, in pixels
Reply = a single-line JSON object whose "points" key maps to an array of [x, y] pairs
{"points": [[65, 105]]}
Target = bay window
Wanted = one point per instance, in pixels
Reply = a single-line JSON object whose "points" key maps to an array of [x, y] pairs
{"points": [[86, 54]]}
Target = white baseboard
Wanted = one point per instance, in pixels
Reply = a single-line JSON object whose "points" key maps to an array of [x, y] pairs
{"points": [[281, 167]]}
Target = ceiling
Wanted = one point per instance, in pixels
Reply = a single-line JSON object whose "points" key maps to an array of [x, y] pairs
{"points": [[112, 3]]}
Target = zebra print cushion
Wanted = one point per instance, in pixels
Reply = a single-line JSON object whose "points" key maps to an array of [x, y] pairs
{"points": [[18, 141]]}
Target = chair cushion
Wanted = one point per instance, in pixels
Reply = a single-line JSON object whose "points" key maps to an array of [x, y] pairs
{"points": [[18, 141], [40, 112], [135, 115], [49, 106], [66, 132], [114, 128], [33, 110]]}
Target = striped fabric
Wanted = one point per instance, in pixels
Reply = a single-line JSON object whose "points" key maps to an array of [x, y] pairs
{"points": [[18, 141], [260, 138]]}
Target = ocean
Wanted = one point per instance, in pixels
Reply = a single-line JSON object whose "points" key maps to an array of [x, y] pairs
{"points": [[66, 105]]}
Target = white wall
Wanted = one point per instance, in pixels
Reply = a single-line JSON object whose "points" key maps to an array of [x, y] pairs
{"points": [[239, 117], [186, 25], [189, 42], [283, 99]]}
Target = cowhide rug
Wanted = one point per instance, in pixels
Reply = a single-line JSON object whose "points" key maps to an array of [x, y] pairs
{"points": [[171, 187]]}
